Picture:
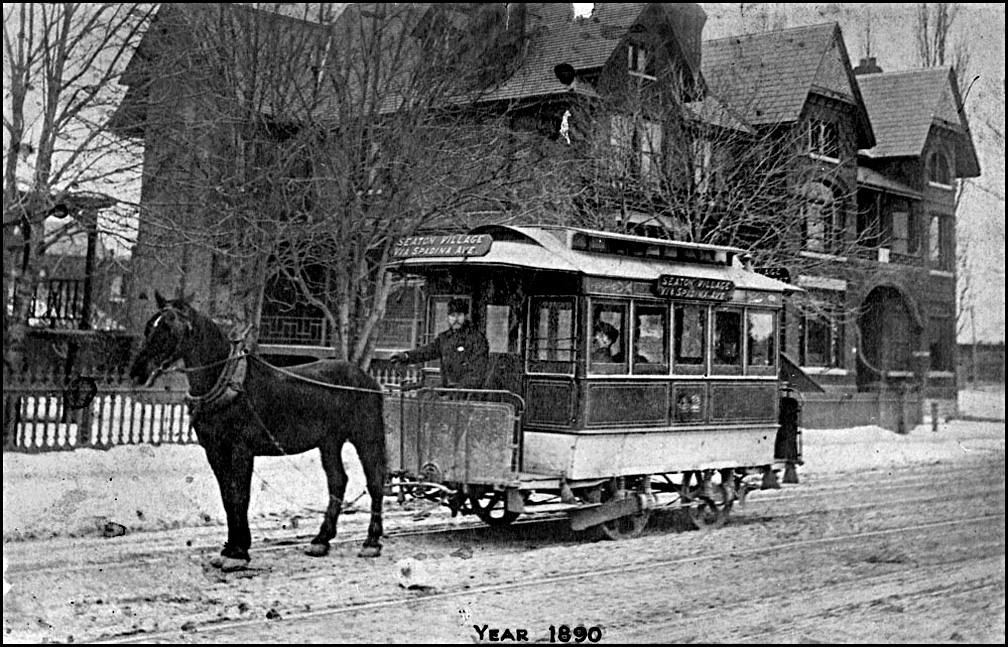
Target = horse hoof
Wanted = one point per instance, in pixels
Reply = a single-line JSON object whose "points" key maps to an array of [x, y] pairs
{"points": [[217, 561], [317, 550], [370, 551], [230, 564]]}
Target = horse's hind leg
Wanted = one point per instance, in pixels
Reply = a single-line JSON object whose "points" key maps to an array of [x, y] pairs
{"points": [[336, 477], [374, 462]]}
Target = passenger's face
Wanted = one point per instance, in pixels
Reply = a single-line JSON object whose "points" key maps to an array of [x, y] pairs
{"points": [[456, 320], [601, 340]]}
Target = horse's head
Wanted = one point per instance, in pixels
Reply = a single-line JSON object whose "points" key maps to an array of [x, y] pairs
{"points": [[165, 340]]}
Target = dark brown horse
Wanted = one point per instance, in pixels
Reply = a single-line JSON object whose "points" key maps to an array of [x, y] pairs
{"points": [[242, 407]]}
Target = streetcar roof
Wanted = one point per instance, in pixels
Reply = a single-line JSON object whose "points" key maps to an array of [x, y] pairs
{"points": [[591, 253]]}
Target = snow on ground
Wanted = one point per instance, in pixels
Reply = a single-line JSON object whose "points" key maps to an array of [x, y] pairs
{"points": [[143, 487]]}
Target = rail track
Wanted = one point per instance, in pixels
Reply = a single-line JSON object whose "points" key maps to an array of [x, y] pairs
{"points": [[836, 493], [207, 631]]}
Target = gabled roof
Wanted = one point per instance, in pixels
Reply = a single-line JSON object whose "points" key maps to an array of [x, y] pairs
{"points": [[768, 76], [905, 105], [586, 44]]}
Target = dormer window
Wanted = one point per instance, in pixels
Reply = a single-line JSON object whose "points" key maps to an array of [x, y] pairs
{"points": [[939, 170], [823, 140], [639, 61]]}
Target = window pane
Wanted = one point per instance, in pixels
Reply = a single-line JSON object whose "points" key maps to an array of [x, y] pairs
{"points": [[552, 331], [900, 232], [608, 343], [934, 235], [761, 339], [498, 320], [728, 337], [650, 339], [690, 334], [817, 342]]}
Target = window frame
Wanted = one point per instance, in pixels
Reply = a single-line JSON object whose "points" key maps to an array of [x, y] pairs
{"points": [[762, 369], [533, 365], [836, 326], [651, 368], [821, 136], [722, 368], [608, 368], [691, 369], [828, 212]]}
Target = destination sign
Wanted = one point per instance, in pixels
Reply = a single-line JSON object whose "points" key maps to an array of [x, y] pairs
{"points": [[449, 245], [691, 287]]}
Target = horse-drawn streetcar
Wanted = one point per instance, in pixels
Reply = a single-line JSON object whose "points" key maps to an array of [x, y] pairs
{"points": [[679, 406]]}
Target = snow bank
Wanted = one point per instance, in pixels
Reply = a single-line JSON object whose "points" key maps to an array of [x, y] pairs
{"points": [[169, 486]]}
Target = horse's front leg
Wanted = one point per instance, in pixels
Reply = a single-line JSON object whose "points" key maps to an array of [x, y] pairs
{"points": [[242, 463], [235, 554], [336, 478]]}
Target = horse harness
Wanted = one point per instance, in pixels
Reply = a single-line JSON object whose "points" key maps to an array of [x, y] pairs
{"points": [[230, 383]]}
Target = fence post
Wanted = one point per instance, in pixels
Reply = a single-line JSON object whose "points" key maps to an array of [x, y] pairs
{"points": [[901, 410], [934, 415]]}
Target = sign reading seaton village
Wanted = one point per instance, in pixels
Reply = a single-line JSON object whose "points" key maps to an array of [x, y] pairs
{"points": [[691, 287], [448, 245]]}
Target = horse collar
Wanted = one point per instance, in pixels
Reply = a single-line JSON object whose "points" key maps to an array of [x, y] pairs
{"points": [[230, 383]]}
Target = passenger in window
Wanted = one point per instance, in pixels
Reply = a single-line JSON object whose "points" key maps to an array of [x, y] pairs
{"points": [[727, 337], [462, 349], [604, 337]]}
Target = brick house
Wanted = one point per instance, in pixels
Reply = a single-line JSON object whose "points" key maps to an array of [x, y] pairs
{"points": [[907, 219], [796, 84], [880, 227]]}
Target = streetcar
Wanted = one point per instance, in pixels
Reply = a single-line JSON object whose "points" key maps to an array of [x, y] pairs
{"points": [[681, 410]]}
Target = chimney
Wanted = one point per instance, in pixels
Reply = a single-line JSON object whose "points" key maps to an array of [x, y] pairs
{"points": [[867, 66]]}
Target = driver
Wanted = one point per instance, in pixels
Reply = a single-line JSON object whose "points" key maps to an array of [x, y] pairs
{"points": [[462, 349]]}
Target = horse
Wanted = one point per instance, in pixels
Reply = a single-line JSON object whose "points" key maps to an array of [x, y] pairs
{"points": [[241, 407]]}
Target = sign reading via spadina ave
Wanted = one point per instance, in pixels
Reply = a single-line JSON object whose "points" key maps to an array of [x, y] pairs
{"points": [[691, 287], [449, 245]]}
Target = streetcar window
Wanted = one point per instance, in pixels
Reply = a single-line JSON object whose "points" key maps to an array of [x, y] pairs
{"points": [[760, 330], [728, 337], [608, 338], [551, 336], [690, 335], [498, 328], [438, 321], [650, 339]]}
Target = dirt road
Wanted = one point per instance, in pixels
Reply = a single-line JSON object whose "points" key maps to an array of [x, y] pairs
{"points": [[907, 554]]}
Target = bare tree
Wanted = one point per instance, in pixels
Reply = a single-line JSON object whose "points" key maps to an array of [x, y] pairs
{"points": [[653, 159], [933, 33], [61, 65], [297, 152]]}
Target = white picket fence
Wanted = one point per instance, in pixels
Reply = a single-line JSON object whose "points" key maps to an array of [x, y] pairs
{"points": [[39, 418]]}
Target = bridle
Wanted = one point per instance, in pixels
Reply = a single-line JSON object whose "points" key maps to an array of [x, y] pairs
{"points": [[178, 352], [229, 382]]}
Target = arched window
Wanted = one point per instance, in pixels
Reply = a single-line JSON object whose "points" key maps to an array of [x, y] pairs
{"points": [[823, 219], [938, 169]]}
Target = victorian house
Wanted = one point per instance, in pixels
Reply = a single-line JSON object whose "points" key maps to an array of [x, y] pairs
{"points": [[650, 120]]}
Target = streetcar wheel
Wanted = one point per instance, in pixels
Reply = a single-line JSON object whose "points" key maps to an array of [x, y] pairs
{"points": [[490, 506], [623, 527], [711, 512]]}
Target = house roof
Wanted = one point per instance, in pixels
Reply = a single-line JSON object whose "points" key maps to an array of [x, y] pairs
{"points": [[874, 180], [768, 76], [586, 44], [905, 105]]}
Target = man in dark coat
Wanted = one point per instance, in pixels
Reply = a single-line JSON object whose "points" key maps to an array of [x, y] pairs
{"points": [[462, 349]]}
